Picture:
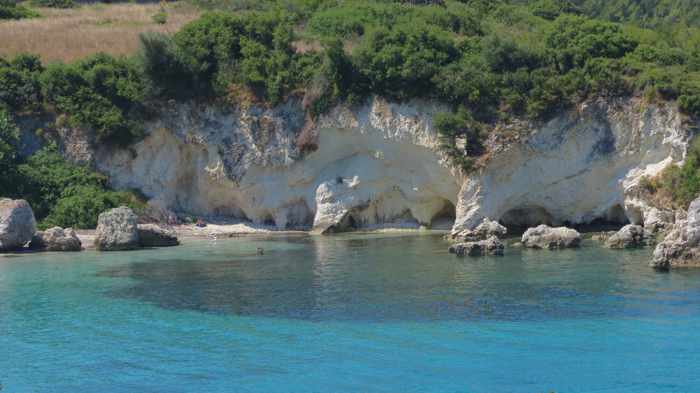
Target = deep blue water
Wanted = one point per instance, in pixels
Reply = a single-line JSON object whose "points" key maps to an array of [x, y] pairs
{"points": [[353, 313]]}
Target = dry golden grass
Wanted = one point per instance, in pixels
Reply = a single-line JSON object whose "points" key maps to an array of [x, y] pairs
{"points": [[71, 34]]}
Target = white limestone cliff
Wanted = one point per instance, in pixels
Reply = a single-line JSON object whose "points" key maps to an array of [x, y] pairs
{"points": [[581, 166], [380, 164]]}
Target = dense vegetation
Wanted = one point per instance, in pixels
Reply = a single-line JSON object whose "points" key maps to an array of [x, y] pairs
{"points": [[9, 9], [490, 60]]}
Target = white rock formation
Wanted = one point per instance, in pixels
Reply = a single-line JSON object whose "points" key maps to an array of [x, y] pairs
{"points": [[380, 164], [544, 237], [17, 224], [681, 246], [630, 236], [117, 230], [377, 164], [578, 167], [57, 239]]}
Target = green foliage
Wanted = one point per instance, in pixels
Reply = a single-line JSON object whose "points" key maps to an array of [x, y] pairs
{"points": [[460, 127], [683, 183], [10, 10], [101, 92], [19, 82], [79, 206], [254, 49], [163, 67], [9, 139], [573, 40], [53, 3], [47, 175], [60, 193], [551, 9], [402, 61], [160, 17]]}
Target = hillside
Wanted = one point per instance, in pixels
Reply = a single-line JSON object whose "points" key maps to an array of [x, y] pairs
{"points": [[489, 63]]}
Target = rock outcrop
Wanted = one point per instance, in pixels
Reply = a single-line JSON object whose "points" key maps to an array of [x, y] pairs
{"points": [[17, 224], [681, 246], [578, 167], [56, 239], [117, 230], [380, 164], [490, 246], [483, 231], [545, 237], [630, 236], [151, 235]]}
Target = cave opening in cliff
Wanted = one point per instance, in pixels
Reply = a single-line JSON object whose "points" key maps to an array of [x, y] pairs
{"points": [[523, 217], [614, 219], [445, 218]]}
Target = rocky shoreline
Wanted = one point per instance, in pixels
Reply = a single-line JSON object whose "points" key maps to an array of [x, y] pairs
{"points": [[677, 243]]}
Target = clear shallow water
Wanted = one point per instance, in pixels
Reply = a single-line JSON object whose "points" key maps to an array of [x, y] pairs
{"points": [[352, 313]]}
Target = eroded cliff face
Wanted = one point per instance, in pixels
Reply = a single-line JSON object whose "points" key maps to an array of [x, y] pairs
{"points": [[380, 164], [377, 164], [581, 166]]}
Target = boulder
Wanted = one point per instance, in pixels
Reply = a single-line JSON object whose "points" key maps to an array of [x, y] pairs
{"points": [[117, 230], [656, 220], [57, 239], [151, 235], [545, 237], [681, 246], [490, 246], [17, 224], [483, 231], [630, 236]]}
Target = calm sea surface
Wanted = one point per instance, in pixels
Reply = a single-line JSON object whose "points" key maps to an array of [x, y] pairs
{"points": [[351, 313]]}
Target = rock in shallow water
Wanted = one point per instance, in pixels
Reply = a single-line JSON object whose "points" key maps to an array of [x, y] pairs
{"points": [[545, 237], [483, 231], [151, 235], [17, 224], [57, 239], [490, 246], [681, 246], [117, 230], [630, 236]]}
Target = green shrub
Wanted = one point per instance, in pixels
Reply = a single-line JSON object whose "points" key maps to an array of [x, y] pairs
{"points": [[164, 68], [456, 126], [9, 139], [573, 40], [253, 49], [80, 206], [160, 17], [19, 83], [10, 10], [53, 3], [402, 61], [101, 92], [46, 175], [684, 183]]}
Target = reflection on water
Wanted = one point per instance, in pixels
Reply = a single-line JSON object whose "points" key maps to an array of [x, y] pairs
{"points": [[406, 278]]}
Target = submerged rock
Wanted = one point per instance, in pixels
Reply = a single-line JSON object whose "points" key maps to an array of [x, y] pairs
{"points": [[56, 239], [681, 246], [490, 246], [483, 231], [630, 236], [117, 230], [151, 235], [545, 237], [17, 224]]}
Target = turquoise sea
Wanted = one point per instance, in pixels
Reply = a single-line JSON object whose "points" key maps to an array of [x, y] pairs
{"points": [[350, 313]]}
